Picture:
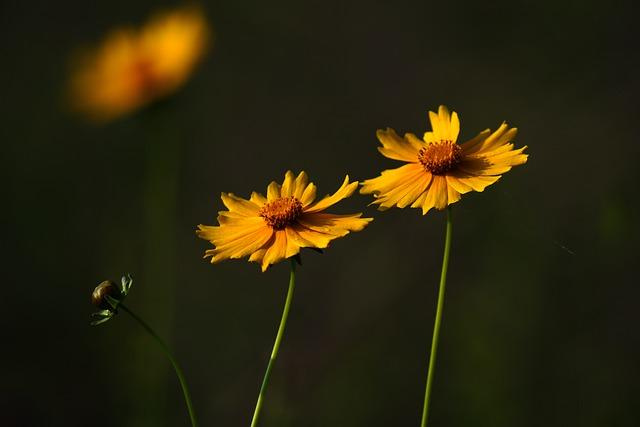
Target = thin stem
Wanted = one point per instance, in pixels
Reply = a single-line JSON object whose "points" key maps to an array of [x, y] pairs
{"points": [[436, 326], [167, 352], [276, 344]]}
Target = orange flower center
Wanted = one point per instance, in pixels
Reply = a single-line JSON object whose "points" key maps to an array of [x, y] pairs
{"points": [[143, 77], [281, 212], [440, 157]]}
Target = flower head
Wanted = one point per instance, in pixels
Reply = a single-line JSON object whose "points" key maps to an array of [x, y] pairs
{"points": [[134, 67], [438, 169], [107, 296], [270, 229]]}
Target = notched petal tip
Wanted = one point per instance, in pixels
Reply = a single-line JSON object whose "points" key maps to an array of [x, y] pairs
{"points": [[442, 109], [384, 132], [364, 219]]}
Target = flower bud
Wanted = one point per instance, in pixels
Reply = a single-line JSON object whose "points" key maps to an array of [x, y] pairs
{"points": [[98, 297]]}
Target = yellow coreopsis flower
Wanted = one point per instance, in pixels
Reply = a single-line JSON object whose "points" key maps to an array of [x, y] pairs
{"points": [[438, 169], [270, 229], [134, 67]]}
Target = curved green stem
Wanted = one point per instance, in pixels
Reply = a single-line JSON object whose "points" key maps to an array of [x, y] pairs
{"points": [[167, 352], [436, 326], [276, 344]]}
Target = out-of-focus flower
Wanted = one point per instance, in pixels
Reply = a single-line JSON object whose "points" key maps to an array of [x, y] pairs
{"points": [[270, 229], [438, 169], [133, 67]]}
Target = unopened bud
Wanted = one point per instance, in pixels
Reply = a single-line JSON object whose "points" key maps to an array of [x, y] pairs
{"points": [[99, 295]]}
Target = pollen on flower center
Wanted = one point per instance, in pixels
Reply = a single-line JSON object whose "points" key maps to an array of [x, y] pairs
{"points": [[281, 212], [440, 157]]}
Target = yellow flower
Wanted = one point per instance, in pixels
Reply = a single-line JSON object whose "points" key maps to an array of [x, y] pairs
{"points": [[134, 67], [270, 229], [438, 169]]}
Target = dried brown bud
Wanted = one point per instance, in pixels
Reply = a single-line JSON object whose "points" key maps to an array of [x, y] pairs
{"points": [[98, 297]]}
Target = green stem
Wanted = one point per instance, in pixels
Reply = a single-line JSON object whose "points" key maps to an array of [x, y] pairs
{"points": [[436, 326], [167, 352], [276, 344]]}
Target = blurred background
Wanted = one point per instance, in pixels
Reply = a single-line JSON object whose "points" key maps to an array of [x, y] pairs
{"points": [[541, 315]]}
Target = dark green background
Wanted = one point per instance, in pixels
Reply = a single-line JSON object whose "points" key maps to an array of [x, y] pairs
{"points": [[541, 317]]}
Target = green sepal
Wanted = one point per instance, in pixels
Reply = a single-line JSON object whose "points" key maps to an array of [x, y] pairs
{"points": [[126, 281], [105, 315], [113, 302]]}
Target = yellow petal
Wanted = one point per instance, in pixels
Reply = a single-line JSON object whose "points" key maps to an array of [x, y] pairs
{"points": [[318, 229], [228, 236], [395, 147], [227, 217], [234, 241], [476, 182], [457, 184], [287, 185], [294, 237], [309, 195], [235, 227], [239, 205], [277, 251], [436, 196], [316, 239], [452, 195], [501, 149], [419, 202], [257, 255], [445, 127], [294, 242], [390, 179], [345, 190], [417, 188], [243, 246], [511, 157], [401, 188], [444, 115], [302, 180], [494, 142], [206, 232], [471, 146], [414, 141], [430, 138], [480, 167], [428, 199], [273, 191], [337, 225], [440, 187], [455, 127], [501, 136], [258, 199], [493, 164]]}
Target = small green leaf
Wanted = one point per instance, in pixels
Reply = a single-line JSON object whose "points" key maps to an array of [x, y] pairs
{"points": [[101, 321], [127, 281]]}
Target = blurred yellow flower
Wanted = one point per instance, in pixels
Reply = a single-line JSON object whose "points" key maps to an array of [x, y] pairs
{"points": [[134, 67], [438, 169], [270, 229]]}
